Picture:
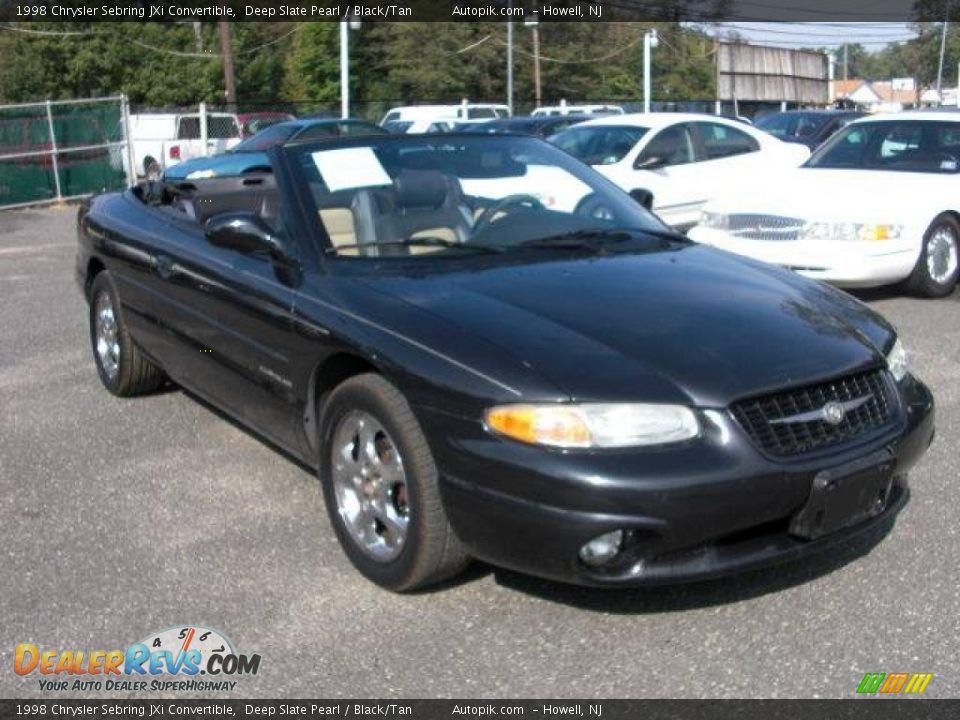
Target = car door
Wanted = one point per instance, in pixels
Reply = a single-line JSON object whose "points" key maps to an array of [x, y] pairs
{"points": [[726, 154], [231, 314], [666, 165]]}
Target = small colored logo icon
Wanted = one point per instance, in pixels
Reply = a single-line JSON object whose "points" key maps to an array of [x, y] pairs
{"points": [[894, 683]]}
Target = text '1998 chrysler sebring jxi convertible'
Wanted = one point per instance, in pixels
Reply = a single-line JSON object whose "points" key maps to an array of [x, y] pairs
{"points": [[487, 350]]}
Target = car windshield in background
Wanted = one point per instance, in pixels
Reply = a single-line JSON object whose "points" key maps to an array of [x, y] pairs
{"points": [[397, 126], [599, 144], [797, 125], [266, 139], [901, 145], [416, 196]]}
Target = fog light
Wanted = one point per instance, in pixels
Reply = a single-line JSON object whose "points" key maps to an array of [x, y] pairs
{"points": [[602, 549]]}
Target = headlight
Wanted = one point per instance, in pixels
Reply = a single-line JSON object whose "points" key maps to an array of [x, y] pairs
{"points": [[897, 361], [717, 221], [850, 231], [594, 425]]}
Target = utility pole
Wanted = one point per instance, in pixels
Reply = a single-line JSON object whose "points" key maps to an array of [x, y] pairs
{"points": [[650, 41], [344, 69], [943, 47], [510, 64], [846, 62], [534, 25], [229, 78]]}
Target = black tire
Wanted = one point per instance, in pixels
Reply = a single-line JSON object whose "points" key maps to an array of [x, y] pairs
{"points": [[431, 552], [921, 282], [134, 374]]}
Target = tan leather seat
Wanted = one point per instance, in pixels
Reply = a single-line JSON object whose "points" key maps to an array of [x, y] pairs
{"points": [[340, 227]]}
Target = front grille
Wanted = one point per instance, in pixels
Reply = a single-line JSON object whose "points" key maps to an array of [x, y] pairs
{"points": [[764, 227], [768, 420]]}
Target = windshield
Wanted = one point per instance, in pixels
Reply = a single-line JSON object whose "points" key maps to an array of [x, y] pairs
{"points": [[799, 125], [599, 144], [266, 139], [417, 196], [897, 145], [397, 126]]}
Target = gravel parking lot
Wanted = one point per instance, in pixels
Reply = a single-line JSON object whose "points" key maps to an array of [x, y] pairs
{"points": [[128, 516]]}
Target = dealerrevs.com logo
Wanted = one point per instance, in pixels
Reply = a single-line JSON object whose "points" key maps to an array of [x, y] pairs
{"points": [[170, 660]]}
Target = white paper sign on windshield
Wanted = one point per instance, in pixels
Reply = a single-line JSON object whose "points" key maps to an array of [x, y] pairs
{"points": [[349, 168]]}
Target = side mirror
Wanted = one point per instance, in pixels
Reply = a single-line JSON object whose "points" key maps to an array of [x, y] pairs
{"points": [[642, 197], [650, 162], [244, 232]]}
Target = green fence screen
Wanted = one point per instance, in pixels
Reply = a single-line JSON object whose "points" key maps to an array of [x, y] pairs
{"points": [[88, 137]]}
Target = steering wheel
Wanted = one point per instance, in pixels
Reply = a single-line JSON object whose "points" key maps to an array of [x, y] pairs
{"points": [[503, 205], [592, 206]]}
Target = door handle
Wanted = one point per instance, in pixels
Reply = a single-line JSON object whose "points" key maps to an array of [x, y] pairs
{"points": [[164, 266]]}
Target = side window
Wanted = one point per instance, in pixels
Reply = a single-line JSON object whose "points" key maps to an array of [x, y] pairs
{"points": [[359, 128], [318, 131], [480, 113], [721, 141], [900, 139], [189, 128], [671, 146]]}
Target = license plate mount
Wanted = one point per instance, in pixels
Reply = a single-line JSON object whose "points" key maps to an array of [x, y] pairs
{"points": [[845, 495]]}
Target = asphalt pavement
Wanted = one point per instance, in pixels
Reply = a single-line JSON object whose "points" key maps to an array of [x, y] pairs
{"points": [[125, 517]]}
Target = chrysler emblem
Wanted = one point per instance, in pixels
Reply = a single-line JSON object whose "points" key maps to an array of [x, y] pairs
{"points": [[833, 413]]}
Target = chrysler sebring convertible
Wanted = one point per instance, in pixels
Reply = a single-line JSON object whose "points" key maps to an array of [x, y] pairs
{"points": [[878, 204], [487, 350]]}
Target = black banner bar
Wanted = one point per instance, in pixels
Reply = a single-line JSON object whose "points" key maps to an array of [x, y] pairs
{"points": [[857, 709], [470, 10]]}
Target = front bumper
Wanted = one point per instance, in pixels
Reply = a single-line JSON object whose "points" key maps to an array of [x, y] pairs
{"points": [[703, 509], [847, 264]]}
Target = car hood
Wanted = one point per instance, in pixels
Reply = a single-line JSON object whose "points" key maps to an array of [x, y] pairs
{"points": [[692, 325], [834, 195], [217, 165]]}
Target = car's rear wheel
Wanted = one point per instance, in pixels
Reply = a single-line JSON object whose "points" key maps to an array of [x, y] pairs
{"points": [[381, 490], [121, 365], [935, 274]]}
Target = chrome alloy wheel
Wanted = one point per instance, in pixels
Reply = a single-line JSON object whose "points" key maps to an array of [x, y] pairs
{"points": [[370, 485], [106, 335], [942, 254]]}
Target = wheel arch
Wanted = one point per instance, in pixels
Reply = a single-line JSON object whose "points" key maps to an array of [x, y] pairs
{"points": [[95, 266], [325, 376]]}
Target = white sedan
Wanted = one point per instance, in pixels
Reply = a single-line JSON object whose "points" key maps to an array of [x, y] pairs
{"points": [[878, 204], [675, 162]]}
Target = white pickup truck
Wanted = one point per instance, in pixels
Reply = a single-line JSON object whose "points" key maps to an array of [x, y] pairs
{"points": [[162, 139]]}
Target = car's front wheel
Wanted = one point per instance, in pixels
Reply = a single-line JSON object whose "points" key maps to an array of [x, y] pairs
{"points": [[381, 490], [935, 274], [121, 365]]}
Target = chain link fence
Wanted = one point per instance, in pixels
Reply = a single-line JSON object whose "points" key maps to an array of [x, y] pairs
{"points": [[61, 150], [64, 150]]}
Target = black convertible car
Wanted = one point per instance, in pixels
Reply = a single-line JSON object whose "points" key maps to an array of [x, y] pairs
{"points": [[488, 350]]}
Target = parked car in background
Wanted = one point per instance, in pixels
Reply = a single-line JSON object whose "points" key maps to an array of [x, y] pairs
{"points": [[879, 203], [249, 156], [419, 127], [253, 122], [413, 119], [674, 162], [564, 109], [807, 127], [541, 126], [163, 139]]}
